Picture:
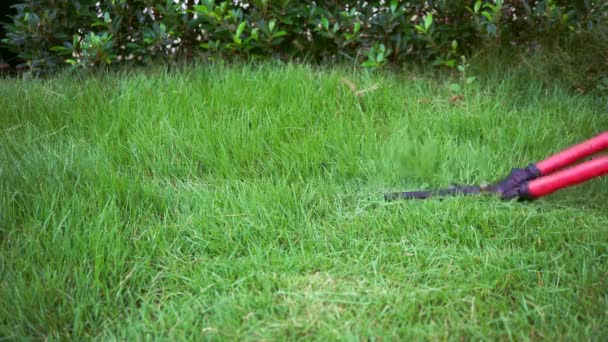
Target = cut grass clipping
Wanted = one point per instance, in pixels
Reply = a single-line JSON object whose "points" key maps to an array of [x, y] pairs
{"points": [[245, 202]]}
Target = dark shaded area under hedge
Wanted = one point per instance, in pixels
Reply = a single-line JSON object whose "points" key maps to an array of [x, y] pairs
{"points": [[7, 57]]}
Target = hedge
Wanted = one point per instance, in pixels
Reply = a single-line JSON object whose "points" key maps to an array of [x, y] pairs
{"points": [[47, 34]]}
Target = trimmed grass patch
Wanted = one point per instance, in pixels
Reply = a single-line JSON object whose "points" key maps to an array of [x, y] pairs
{"points": [[246, 202]]}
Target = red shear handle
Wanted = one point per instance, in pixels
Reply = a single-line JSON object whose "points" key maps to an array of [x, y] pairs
{"points": [[572, 154], [574, 175]]}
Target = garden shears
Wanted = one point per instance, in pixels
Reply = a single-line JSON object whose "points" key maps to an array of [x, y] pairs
{"points": [[537, 179]]}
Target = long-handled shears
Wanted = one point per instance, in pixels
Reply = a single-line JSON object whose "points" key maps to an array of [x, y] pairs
{"points": [[536, 180]]}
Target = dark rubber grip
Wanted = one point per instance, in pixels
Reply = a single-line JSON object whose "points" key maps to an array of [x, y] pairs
{"points": [[571, 176], [572, 154]]}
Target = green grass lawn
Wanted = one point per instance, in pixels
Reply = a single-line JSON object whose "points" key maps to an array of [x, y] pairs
{"points": [[245, 202]]}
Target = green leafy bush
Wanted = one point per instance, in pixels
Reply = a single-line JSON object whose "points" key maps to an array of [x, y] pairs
{"points": [[51, 33]]}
